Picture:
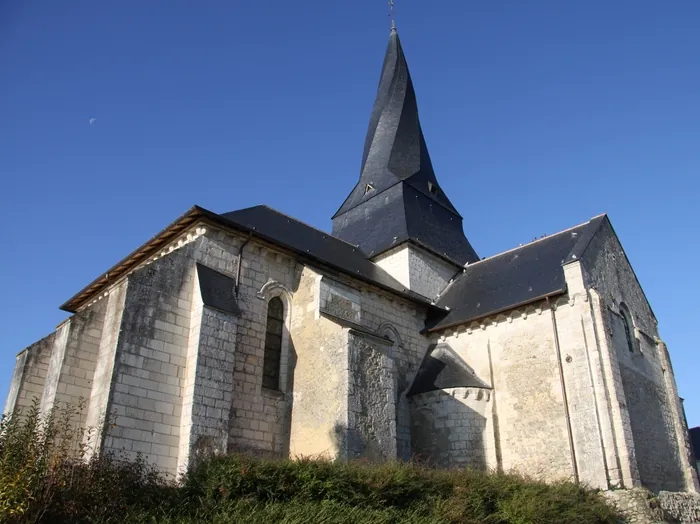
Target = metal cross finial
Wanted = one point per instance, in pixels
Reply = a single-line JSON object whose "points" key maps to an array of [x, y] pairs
{"points": [[392, 14]]}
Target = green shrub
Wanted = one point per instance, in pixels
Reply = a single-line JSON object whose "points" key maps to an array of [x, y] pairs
{"points": [[32, 451], [389, 491], [387, 485], [45, 477]]}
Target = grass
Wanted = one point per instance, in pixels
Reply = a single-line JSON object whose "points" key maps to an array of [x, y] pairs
{"points": [[41, 481]]}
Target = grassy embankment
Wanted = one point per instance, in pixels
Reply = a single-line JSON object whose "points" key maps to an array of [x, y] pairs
{"points": [[40, 483]]}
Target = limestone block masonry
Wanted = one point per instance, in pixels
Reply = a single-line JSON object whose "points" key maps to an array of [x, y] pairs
{"points": [[454, 427], [170, 360], [418, 270], [167, 375], [640, 506], [571, 399], [648, 417], [29, 376]]}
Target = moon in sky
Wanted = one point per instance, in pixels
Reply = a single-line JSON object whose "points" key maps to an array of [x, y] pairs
{"points": [[93, 120]]}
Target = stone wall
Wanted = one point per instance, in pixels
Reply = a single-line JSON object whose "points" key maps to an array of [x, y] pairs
{"points": [[637, 506], [417, 269], [188, 377], [395, 262], [452, 428], [219, 383], [58, 352], [640, 506], [401, 322], [98, 404], [582, 381], [515, 354], [73, 359], [208, 384], [680, 507], [340, 301], [335, 317], [429, 275], [318, 380], [651, 420], [655, 443], [260, 418], [150, 359], [307, 416], [29, 376], [173, 377], [372, 398], [15, 383]]}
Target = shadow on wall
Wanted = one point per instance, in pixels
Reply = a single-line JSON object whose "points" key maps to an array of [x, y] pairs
{"points": [[353, 445], [266, 432], [449, 411], [449, 423], [694, 446], [651, 420], [449, 427], [282, 405], [286, 423]]}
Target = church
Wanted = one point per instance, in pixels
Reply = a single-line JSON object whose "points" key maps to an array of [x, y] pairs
{"points": [[388, 338]]}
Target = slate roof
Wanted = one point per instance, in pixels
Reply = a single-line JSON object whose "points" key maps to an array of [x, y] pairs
{"points": [[217, 290], [316, 244], [443, 368], [516, 277], [397, 197], [267, 224]]}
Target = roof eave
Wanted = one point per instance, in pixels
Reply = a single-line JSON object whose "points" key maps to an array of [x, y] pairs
{"points": [[498, 311], [310, 257], [133, 259], [188, 219]]}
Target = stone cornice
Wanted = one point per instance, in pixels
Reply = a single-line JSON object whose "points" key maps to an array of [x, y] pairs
{"points": [[516, 314]]}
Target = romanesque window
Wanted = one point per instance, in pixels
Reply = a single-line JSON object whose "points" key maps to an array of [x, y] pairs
{"points": [[273, 344], [628, 325]]}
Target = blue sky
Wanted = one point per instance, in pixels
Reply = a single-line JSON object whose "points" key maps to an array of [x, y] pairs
{"points": [[539, 115]]}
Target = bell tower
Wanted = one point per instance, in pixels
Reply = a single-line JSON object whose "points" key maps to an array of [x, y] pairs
{"points": [[397, 212]]}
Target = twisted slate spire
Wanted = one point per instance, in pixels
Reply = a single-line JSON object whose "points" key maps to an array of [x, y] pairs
{"points": [[398, 198]]}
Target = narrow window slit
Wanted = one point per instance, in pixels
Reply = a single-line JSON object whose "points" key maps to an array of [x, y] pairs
{"points": [[273, 344]]}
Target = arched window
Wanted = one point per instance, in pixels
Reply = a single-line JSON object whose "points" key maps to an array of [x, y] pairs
{"points": [[273, 344], [628, 325]]}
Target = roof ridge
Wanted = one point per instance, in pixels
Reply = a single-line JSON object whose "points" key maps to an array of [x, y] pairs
{"points": [[532, 242], [580, 247]]}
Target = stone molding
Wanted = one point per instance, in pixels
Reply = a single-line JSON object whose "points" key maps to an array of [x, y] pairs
{"points": [[273, 288], [270, 290], [521, 313], [430, 397], [192, 234]]}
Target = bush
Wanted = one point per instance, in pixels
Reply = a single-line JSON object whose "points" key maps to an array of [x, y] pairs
{"points": [[393, 492], [45, 477]]}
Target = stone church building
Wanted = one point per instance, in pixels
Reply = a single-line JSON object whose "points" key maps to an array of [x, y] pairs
{"points": [[387, 338]]}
